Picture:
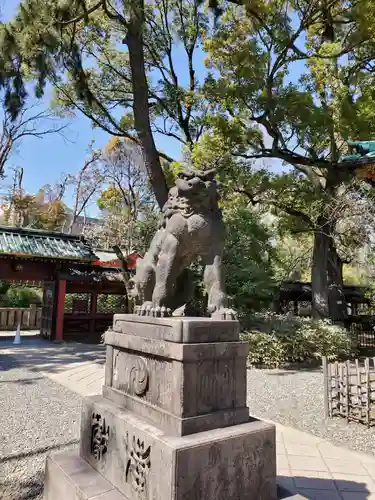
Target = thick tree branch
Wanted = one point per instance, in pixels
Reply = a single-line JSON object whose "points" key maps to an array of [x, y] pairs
{"points": [[84, 15]]}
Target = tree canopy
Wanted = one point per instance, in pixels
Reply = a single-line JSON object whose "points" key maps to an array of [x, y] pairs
{"points": [[286, 80]]}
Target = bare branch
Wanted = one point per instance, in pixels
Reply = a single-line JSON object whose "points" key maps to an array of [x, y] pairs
{"points": [[25, 125]]}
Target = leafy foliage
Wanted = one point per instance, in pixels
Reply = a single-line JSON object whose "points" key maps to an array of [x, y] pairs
{"points": [[4, 286], [20, 296], [247, 260], [40, 211], [286, 339], [260, 111]]}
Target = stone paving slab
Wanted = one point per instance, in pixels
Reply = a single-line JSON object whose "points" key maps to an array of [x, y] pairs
{"points": [[308, 467]]}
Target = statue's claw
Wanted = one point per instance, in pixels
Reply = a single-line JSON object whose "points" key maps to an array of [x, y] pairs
{"points": [[144, 309], [224, 314], [165, 312], [147, 309], [157, 311]]}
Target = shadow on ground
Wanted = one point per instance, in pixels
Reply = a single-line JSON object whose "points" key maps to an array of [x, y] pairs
{"points": [[32, 489], [301, 488], [22, 381], [28, 486], [26, 489], [40, 355], [283, 372], [38, 451]]}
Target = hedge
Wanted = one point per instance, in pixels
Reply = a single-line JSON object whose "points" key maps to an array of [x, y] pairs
{"points": [[288, 339]]}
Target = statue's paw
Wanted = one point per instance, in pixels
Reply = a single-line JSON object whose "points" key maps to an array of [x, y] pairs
{"points": [[224, 314], [161, 312], [144, 309]]}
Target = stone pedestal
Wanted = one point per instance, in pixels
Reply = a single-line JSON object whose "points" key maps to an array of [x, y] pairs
{"points": [[172, 423]]}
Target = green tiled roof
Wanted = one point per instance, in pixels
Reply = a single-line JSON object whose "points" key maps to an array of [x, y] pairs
{"points": [[34, 243]]}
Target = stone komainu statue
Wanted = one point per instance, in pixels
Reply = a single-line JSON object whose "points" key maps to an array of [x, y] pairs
{"points": [[192, 227]]}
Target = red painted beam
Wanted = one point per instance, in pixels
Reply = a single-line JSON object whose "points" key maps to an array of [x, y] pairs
{"points": [[61, 289]]}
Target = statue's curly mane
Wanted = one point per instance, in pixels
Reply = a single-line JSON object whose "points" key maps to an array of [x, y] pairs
{"points": [[195, 191]]}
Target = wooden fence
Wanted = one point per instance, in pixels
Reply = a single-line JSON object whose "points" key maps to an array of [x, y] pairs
{"points": [[28, 318], [349, 390]]}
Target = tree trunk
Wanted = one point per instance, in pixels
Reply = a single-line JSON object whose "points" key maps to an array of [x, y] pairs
{"points": [[319, 281], [328, 299], [134, 41], [125, 273], [338, 310]]}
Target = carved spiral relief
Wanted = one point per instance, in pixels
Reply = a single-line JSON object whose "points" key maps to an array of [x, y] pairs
{"points": [[139, 377]]}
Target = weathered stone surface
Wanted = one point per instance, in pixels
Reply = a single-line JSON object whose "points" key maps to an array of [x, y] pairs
{"points": [[176, 426], [183, 330], [69, 477], [142, 462], [183, 388]]}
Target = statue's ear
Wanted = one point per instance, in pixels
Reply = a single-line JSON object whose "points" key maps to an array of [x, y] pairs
{"points": [[210, 174], [186, 173]]}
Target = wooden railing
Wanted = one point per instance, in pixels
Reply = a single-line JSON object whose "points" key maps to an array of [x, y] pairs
{"points": [[27, 318]]}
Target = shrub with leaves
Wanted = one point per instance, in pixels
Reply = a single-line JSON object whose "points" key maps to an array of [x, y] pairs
{"points": [[4, 286], [20, 296], [277, 339], [265, 349], [247, 263]]}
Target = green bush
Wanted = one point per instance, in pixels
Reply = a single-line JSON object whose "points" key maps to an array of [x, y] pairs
{"points": [[4, 286], [265, 349], [280, 339], [19, 296]]}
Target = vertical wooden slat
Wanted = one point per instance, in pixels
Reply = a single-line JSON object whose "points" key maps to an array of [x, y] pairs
{"points": [[347, 389], [368, 391], [337, 388], [32, 316], [11, 322], [3, 318], [26, 319], [341, 389], [38, 320], [358, 387], [326, 382]]}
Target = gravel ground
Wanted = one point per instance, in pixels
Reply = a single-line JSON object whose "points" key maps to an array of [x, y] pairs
{"points": [[38, 417], [295, 398]]}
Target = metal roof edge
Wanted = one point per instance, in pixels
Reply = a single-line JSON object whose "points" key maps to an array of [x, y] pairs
{"points": [[27, 231]]}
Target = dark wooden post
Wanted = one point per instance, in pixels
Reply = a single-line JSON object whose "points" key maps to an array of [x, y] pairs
{"points": [[61, 289], [93, 311]]}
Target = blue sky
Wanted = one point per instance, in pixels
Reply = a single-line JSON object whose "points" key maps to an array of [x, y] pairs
{"points": [[44, 160]]}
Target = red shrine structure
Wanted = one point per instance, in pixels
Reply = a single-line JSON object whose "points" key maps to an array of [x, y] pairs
{"points": [[82, 288]]}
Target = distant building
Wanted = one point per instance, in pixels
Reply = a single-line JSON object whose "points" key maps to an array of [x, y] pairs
{"points": [[80, 223], [107, 258]]}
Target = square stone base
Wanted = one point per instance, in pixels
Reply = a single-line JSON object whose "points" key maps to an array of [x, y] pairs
{"points": [[126, 458], [143, 462]]}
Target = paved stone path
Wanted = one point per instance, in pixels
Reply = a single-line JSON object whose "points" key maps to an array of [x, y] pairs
{"points": [[308, 467]]}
